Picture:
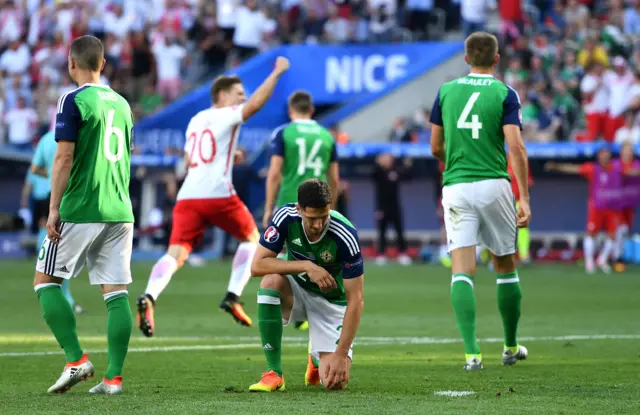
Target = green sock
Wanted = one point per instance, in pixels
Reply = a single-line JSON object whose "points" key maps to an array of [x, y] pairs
{"points": [[464, 305], [119, 326], [61, 320], [509, 299], [270, 324], [524, 241]]}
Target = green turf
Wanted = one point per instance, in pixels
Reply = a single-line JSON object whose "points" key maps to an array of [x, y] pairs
{"points": [[408, 349]]}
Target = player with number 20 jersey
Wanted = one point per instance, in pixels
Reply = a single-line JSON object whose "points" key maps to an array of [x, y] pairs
{"points": [[207, 197]]}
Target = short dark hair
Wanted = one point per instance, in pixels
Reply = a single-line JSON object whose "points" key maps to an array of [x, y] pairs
{"points": [[314, 193], [301, 102], [88, 52], [223, 83], [481, 49]]}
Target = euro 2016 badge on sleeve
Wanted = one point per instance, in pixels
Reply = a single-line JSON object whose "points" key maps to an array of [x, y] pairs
{"points": [[271, 234]]}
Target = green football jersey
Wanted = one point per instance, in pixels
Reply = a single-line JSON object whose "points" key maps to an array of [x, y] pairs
{"points": [[337, 251], [100, 123], [472, 111], [307, 149]]}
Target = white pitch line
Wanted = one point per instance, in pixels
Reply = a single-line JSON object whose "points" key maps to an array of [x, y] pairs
{"points": [[362, 341]]}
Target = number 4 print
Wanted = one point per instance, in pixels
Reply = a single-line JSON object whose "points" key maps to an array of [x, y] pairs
{"points": [[474, 125]]}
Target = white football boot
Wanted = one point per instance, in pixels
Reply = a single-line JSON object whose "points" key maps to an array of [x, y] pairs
{"points": [[108, 387], [510, 358], [73, 374], [473, 363]]}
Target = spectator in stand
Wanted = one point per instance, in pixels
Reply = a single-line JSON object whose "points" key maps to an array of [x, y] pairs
{"points": [[14, 90], [21, 122], [337, 29], [576, 13], [169, 55], [474, 14], [419, 13], [11, 22], [150, 100], [382, 20], [400, 132], [632, 19], [249, 32], [633, 96], [617, 81], [225, 14], [592, 53], [629, 132], [143, 65], [16, 59], [595, 100]]}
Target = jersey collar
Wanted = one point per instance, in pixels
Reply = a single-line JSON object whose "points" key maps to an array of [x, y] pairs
{"points": [[97, 85], [303, 121], [324, 232], [481, 75]]}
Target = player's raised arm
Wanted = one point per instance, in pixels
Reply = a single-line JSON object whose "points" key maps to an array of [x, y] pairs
{"points": [[264, 91], [437, 132]]}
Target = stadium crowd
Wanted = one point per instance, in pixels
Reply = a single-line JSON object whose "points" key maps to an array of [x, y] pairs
{"points": [[157, 49], [576, 67]]}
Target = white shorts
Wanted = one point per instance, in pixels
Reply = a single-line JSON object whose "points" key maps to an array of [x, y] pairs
{"points": [[482, 213], [105, 247], [325, 319]]}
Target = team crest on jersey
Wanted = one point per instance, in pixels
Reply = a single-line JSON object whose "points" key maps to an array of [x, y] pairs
{"points": [[326, 256], [271, 234]]}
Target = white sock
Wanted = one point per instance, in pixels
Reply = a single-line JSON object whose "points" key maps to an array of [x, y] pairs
{"points": [[618, 248], [444, 251], [241, 269], [161, 274], [589, 250], [606, 251]]}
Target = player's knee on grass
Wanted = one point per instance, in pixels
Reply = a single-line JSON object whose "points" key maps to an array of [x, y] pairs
{"points": [[179, 253], [41, 278], [111, 288], [504, 264], [463, 260]]}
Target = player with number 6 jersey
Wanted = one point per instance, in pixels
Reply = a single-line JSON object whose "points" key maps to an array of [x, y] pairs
{"points": [[90, 216], [472, 117], [207, 196]]}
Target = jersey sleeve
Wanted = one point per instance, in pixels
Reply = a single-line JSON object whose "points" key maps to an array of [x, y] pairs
{"points": [[276, 233], [587, 170], [436, 112], [511, 113], [334, 153], [277, 142], [349, 250], [233, 115], [68, 119]]}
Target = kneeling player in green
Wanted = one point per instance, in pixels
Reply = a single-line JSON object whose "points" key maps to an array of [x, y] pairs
{"points": [[321, 281], [472, 117]]}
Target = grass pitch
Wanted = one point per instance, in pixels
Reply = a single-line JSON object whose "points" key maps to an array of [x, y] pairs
{"points": [[582, 333]]}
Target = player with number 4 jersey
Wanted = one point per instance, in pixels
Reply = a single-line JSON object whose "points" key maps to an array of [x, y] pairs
{"points": [[472, 117], [207, 196]]}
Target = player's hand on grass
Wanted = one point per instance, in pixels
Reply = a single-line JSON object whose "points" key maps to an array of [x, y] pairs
{"points": [[53, 226], [266, 218], [282, 65], [524, 214], [336, 371], [321, 278]]}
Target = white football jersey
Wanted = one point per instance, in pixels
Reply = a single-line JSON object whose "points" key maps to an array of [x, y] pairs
{"points": [[212, 138]]}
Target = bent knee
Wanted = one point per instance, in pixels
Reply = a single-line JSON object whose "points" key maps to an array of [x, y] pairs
{"points": [[273, 282], [179, 253], [505, 264]]}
